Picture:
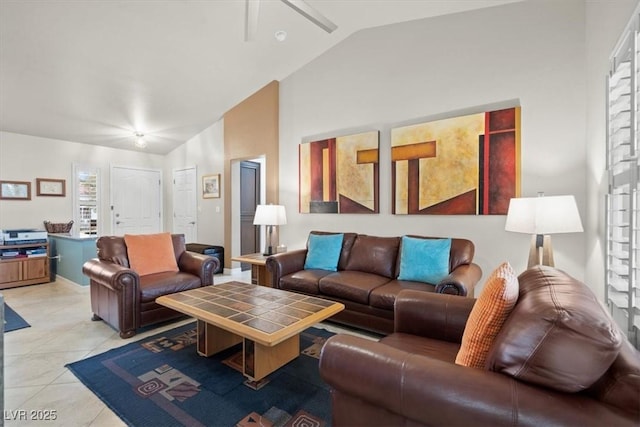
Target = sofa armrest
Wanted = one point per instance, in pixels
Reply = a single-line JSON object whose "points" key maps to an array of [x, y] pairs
{"points": [[461, 280], [203, 266], [285, 263], [111, 275], [428, 314], [435, 392]]}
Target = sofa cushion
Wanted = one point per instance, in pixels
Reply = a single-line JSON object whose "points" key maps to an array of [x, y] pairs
{"points": [[424, 260], [351, 285], [375, 255], [557, 336], [113, 249], [303, 281], [155, 285], [487, 316], [323, 252], [385, 296], [620, 386], [151, 253]]}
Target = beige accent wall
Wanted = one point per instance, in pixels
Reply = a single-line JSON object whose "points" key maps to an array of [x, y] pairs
{"points": [[251, 131]]}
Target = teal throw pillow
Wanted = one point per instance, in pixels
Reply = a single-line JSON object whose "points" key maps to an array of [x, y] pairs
{"points": [[424, 260], [323, 251]]}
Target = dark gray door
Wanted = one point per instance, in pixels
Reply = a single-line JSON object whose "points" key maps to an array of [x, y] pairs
{"points": [[249, 199]]}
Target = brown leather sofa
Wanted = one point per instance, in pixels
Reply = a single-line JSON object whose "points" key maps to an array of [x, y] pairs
{"points": [[125, 300], [366, 280], [559, 360]]}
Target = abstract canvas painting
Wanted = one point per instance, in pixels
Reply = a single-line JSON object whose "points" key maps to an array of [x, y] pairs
{"points": [[340, 175], [467, 165]]}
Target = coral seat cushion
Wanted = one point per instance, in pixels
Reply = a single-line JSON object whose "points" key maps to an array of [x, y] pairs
{"points": [[150, 253], [487, 316]]}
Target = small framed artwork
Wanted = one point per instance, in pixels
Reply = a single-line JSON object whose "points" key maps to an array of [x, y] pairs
{"points": [[50, 187], [15, 190], [211, 186]]}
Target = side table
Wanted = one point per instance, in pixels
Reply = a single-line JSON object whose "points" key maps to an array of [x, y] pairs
{"points": [[259, 274]]}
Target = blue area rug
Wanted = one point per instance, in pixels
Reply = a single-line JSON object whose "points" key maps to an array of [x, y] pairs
{"points": [[162, 381], [13, 320]]}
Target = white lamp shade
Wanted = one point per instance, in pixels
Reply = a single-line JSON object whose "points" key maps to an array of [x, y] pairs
{"points": [[270, 215], [543, 215]]}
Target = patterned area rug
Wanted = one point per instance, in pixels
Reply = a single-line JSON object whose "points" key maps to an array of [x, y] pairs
{"points": [[161, 381], [13, 320]]}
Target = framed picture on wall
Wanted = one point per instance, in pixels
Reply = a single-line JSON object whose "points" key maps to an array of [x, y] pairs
{"points": [[15, 190], [211, 186], [50, 187]]}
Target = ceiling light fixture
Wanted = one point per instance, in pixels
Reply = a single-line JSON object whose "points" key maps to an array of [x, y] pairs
{"points": [[140, 141], [281, 35]]}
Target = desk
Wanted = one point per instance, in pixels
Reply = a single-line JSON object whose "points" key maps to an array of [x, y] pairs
{"points": [[259, 273]]}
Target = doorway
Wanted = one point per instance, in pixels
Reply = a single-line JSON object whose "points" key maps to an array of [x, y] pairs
{"points": [[250, 184], [185, 204], [136, 201]]}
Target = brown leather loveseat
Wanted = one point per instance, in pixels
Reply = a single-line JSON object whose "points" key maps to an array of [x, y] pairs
{"points": [[367, 277], [126, 300], [558, 360]]}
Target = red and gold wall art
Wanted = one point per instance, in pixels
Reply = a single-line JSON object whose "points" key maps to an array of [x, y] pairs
{"points": [[340, 175], [467, 165]]}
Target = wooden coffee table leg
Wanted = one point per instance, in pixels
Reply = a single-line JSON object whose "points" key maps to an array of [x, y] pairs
{"points": [[212, 339], [259, 360]]}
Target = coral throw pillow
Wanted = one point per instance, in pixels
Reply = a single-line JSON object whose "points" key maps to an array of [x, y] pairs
{"points": [[150, 253], [487, 316]]}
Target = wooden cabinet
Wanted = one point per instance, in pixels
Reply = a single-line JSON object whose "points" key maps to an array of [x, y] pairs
{"points": [[20, 271]]}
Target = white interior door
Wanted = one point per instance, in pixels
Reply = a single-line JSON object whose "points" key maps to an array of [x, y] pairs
{"points": [[185, 204], [136, 201]]}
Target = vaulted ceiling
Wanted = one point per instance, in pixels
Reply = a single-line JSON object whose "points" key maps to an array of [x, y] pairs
{"points": [[97, 71]]}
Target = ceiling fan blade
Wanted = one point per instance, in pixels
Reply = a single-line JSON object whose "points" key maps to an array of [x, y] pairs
{"points": [[305, 9], [251, 11]]}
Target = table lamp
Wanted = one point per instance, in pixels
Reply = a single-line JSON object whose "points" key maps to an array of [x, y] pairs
{"points": [[270, 215], [542, 216]]}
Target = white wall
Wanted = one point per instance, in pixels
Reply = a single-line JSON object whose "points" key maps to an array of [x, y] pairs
{"points": [[205, 151], [532, 52], [25, 158]]}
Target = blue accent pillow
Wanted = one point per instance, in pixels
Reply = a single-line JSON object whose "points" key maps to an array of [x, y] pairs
{"points": [[424, 260], [323, 251]]}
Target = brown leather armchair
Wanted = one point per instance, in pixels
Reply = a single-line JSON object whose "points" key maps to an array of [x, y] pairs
{"points": [[558, 360], [125, 300]]}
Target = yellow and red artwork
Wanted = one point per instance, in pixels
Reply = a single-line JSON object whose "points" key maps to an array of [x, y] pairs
{"points": [[467, 165], [340, 175]]}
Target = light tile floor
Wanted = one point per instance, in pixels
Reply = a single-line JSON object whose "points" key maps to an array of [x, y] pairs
{"points": [[61, 332]]}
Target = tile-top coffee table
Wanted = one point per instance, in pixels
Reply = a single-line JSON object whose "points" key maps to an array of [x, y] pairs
{"points": [[267, 321]]}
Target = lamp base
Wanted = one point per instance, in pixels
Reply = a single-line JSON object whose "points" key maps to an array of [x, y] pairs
{"points": [[540, 253], [269, 250]]}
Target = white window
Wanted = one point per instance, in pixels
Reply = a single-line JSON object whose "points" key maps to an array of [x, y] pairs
{"points": [[86, 201]]}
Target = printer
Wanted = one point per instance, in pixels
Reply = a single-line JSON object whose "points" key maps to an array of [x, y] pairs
{"points": [[24, 236]]}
